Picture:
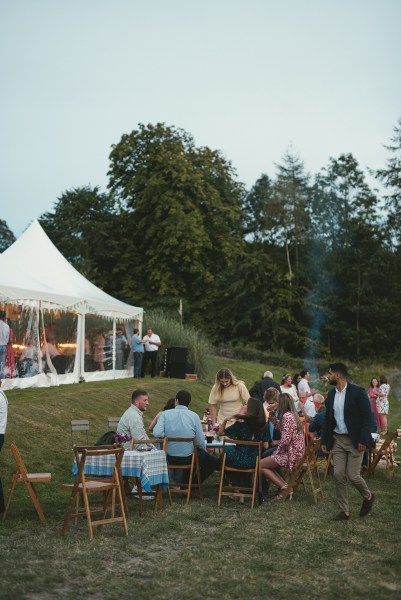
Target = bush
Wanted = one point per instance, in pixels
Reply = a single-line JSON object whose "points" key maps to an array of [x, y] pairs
{"points": [[171, 333]]}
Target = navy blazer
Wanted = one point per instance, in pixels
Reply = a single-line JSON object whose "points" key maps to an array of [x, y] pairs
{"points": [[357, 417]]}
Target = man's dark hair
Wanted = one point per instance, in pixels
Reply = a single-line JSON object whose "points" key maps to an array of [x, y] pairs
{"points": [[303, 373], [137, 393], [183, 397], [136, 330], [339, 368], [2, 315]]}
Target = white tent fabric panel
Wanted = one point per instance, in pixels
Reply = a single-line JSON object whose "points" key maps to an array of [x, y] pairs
{"points": [[32, 269]]}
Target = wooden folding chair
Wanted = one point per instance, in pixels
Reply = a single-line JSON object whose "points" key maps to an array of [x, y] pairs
{"points": [[79, 499], [28, 479], [107, 487], [158, 493], [329, 465], [306, 466], [113, 423], [81, 425], [383, 450], [192, 467], [232, 489]]}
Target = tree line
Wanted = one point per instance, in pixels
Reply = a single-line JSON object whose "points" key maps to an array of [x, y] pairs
{"points": [[304, 264]]}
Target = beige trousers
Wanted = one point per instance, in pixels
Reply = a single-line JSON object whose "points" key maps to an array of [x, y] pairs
{"points": [[347, 461]]}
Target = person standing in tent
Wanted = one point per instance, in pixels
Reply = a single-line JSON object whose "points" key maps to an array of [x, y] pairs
{"points": [[152, 343], [98, 350], [4, 337], [137, 352]]}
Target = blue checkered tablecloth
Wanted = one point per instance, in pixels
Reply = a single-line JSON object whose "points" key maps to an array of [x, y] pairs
{"points": [[150, 467]]}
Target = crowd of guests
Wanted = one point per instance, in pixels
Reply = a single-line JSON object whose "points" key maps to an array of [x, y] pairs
{"points": [[269, 412]]}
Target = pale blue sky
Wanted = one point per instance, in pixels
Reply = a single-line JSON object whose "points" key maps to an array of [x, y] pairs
{"points": [[247, 77]]}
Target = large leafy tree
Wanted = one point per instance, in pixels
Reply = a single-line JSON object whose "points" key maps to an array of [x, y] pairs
{"points": [[184, 206], [6, 236]]}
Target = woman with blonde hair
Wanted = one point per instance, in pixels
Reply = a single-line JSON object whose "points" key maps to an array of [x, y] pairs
{"points": [[287, 387], [228, 396], [291, 447]]}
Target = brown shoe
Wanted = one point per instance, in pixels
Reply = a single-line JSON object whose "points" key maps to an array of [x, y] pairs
{"points": [[366, 506], [342, 516]]}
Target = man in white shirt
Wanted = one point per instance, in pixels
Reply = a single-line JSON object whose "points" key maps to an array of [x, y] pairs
{"points": [[3, 425], [346, 431], [303, 385], [152, 343], [4, 337]]}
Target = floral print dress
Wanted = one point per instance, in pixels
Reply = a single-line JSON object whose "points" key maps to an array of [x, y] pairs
{"points": [[292, 443], [382, 403]]}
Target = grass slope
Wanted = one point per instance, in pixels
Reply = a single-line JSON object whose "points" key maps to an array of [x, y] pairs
{"points": [[278, 551]]}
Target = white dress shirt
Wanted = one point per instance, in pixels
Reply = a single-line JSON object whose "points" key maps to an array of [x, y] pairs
{"points": [[338, 408]]}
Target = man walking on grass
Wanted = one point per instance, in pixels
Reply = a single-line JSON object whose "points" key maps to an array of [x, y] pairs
{"points": [[346, 431]]}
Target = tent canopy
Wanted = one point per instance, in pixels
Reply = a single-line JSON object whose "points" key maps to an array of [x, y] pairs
{"points": [[33, 270]]}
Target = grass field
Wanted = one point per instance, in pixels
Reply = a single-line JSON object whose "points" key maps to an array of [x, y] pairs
{"points": [[280, 550]]}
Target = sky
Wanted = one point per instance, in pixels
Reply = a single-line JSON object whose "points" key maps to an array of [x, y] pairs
{"points": [[247, 77]]}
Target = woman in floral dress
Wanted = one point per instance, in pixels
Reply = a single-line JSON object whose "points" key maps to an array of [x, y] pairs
{"points": [[291, 447], [382, 404]]}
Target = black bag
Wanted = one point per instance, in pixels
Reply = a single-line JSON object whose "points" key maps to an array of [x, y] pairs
{"points": [[107, 439]]}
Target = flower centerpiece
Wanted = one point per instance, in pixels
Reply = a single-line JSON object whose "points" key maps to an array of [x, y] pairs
{"points": [[215, 430], [121, 438]]}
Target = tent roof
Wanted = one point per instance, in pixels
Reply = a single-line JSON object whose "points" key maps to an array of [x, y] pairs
{"points": [[32, 270]]}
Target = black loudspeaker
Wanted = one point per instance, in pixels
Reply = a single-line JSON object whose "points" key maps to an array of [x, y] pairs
{"points": [[177, 354], [176, 361]]}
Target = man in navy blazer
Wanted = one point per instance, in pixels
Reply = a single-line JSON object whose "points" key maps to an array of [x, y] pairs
{"points": [[347, 431]]}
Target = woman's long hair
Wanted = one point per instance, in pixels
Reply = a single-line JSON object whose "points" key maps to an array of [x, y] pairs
{"points": [[223, 374], [254, 417], [286, 404]]}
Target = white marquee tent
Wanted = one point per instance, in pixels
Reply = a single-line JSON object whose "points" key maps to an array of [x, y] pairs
{"points": [[35, 275]]}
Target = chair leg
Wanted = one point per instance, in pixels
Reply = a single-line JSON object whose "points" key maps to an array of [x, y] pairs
{"points": [[121, 498], [13, 484], [223, 464], [74, 498], [35, 499], [88, 515]]}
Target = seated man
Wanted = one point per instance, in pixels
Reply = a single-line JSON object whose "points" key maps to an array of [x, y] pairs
{"points": [[182, 422], [316, 424], [306, 406], [131, 423]]}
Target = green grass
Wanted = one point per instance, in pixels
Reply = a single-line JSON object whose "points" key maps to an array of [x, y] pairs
{"points": [[280, 550]]}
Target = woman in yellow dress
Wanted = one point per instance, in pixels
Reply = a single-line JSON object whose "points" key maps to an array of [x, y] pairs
{"points": [[228, 397]]}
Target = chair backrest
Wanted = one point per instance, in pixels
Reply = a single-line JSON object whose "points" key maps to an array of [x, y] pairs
{"points": [[113, 422], [82, 452], [166, 441], [18, 459], [153, 441], [80, 425]]}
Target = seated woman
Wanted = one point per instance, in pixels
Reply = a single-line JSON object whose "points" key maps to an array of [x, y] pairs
{"points": [[291, 447], [251, 427]]}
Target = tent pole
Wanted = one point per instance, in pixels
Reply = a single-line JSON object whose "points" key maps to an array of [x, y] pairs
{"points": [[114, 346], [81, 346]]}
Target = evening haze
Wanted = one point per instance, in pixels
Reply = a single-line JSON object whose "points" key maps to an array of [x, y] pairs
{"points": [[246, 77]]}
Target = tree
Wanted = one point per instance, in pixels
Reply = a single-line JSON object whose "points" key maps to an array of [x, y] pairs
{"points": [[292, 192], [83, 226], [6, 236], [184, 206], [391, 179], [262, 215]]}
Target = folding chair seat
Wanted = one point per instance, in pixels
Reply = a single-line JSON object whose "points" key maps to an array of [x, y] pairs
{"points": [[28, 479], [306, 466], [239, 491], [384, 451], [80, 429], [192, 469], [108, 486], [158, 493]]}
